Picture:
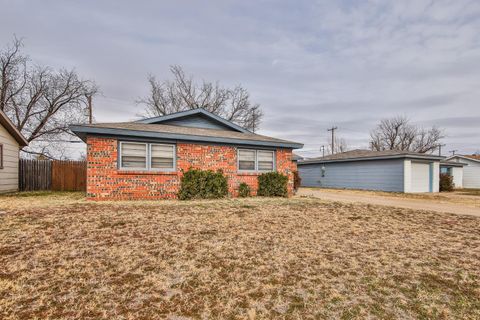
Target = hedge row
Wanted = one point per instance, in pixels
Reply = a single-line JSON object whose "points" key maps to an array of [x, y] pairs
{"points": [[207, 184]]}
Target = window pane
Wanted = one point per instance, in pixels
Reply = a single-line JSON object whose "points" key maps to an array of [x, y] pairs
{"points": [[246, 159], [162, 156], [134, 155], [265, 160]]}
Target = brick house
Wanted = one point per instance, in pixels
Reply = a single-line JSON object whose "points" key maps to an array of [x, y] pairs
{"points": [[145, 159]]}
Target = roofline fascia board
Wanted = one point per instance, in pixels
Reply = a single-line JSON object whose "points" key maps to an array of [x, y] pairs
{"points": [[10, 127], [300, 162], [456, 164], [181, 137], [186, 113], [463, 157]]}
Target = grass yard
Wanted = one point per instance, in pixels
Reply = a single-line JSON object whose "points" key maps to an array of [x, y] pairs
{"points": [[470, 192], [63, 257]]}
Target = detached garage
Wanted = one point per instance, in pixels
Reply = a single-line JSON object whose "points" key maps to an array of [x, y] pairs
{"points": [[390, 170], [471, 169]]}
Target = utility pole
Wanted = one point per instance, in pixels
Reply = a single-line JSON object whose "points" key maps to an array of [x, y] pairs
{"points": [[440, 149], [453, 152], [254, 117], [333, 138], [90, 109]]}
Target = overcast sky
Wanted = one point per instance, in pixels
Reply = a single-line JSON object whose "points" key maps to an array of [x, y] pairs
{"points": [[310, 64]]}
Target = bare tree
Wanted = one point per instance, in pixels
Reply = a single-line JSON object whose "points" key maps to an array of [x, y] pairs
{"points": [[183, 93], [399, 134], [40, 101], [340, 145]]}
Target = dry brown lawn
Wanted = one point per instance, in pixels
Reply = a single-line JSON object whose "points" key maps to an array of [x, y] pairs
{"points": [[64, 258]]}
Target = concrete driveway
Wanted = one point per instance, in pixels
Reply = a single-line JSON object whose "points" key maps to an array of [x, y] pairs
{"points": [[449, 203]]}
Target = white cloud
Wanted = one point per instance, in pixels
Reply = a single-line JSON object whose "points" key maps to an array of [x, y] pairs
{"points": [[309, 64]]}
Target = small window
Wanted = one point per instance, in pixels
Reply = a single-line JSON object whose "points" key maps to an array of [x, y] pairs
{"points": [[1, 156], [265, 160], [162, 156], [133, 155], [246, 160]]}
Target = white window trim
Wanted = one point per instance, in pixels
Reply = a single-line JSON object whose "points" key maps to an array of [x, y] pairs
{"points": [[148, 152], [256, 170]]}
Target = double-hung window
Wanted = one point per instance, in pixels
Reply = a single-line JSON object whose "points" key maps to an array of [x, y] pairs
{"points": [[256, 160], [147, 156]]}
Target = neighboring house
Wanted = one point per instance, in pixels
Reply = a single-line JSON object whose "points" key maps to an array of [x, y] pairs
{"points": [[296, 157], [146, 159], [11, 141], [396, 171], [471, 169], [454, 169]]}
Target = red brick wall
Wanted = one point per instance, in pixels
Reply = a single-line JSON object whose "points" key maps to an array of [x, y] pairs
{"points": [[106, 182]]}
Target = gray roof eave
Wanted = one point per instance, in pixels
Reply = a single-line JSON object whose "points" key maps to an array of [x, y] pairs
{"points": [[452, 164], [12, 130], [462, 157], [82, 131], [400, 156]]}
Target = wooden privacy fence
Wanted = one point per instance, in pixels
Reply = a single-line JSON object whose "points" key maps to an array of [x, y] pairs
{"points": [[52, 175]]}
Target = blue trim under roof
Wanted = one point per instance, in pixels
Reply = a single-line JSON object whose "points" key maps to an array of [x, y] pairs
{"points": [[83, 131], [198, 111]]}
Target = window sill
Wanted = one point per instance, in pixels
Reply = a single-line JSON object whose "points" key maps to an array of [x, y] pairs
{"points": [[251, 173], [142, 172]]}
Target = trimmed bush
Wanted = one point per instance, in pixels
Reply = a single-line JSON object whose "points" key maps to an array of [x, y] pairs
{"points": [[446, 182], [203, 184], [244, 190], [272, 184], [297, 181]]}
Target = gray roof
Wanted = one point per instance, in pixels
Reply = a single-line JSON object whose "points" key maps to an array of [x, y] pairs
{"points": [[359, 154], [10, 127], [197, 111], [465, 157], [171, 132]]}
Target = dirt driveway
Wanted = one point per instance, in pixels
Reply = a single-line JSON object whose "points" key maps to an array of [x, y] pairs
{"points": [[449, 203]]}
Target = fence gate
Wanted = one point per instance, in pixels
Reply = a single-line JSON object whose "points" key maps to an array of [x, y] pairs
{"points": [[69, 175], [53, 175], [35, 175]]}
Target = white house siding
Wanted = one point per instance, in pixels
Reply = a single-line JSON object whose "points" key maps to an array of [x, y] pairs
{"points": [[9, 173], [457, 174], [420, 177], [385, 175], [471, 174]]}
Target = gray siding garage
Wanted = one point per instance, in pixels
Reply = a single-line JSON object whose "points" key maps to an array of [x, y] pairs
{"points": [[384, 175], [393, 171]]}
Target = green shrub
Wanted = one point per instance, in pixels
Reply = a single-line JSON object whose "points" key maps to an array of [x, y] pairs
{"points": [[244, 190], [272, 184], [203, 184], [446, 182], [297, 181]]}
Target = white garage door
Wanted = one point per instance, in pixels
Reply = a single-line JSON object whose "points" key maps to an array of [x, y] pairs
{"points": [[420, 177]]}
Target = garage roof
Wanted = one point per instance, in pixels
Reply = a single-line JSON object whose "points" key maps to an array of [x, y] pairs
{"points": [[361, 155]]}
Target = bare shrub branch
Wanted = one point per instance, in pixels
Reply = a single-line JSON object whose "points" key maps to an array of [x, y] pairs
{"points": [[183, 93], [40, 101], [399, 134]]}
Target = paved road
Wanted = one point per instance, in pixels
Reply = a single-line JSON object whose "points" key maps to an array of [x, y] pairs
{"points": [[394, 201]]}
